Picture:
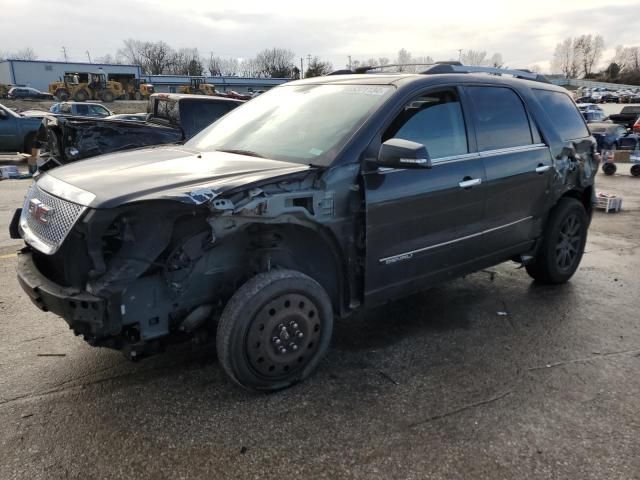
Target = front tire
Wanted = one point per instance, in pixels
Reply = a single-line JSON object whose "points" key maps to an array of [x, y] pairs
{"points": [[635, 170], [562, 244], [274, 330]]}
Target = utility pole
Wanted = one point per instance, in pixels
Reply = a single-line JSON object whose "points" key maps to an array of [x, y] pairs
{"points": [[301, 67], [460, 54], [349, 62], [64, 52], [88, 56]]}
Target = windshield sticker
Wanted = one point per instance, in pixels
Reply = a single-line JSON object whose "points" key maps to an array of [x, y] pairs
{"points": [[366, 90], [315, 152]]}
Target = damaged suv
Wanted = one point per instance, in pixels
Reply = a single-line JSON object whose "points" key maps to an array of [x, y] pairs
{"points": [[316, 199]]}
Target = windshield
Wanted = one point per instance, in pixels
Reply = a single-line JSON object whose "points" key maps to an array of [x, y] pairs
{"points": [[306, 124]]}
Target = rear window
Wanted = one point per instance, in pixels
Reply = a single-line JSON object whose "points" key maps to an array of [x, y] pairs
{"points": [[563, 114], [500, 118], [196, 115]]}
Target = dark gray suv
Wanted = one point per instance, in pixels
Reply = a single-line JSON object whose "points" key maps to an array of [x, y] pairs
{"points": [[315, 199]]}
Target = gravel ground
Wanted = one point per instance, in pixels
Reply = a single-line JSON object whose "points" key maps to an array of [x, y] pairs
{"points": [[439, 385]]}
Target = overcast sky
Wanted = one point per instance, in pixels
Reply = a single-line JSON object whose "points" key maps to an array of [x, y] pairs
{"points": [[525, 33]]}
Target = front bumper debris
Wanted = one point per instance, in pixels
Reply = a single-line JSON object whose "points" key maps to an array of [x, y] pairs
{"points": [[86, 314]]}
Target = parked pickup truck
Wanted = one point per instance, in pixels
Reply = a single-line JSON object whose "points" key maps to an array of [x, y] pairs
{"points": [[17, 132], [171, 118], [627, 116]]}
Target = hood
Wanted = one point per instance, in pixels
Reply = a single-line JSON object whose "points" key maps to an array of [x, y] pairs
{"points": [[169, 172]]}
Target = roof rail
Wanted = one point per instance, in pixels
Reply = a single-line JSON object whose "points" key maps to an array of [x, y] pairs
{"points": [[452, 67], [444, 67]]}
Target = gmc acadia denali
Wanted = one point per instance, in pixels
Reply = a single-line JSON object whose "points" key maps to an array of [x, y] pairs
{"points": [[315, 199]]}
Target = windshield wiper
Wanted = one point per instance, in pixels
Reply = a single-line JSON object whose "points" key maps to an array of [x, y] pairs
{"points": [[240, 152]]}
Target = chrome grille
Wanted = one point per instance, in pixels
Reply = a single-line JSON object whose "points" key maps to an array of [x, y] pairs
{"points": [[61, 218]]}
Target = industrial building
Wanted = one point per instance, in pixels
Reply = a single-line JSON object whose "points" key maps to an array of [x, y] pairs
{"points": [[40, 73]]}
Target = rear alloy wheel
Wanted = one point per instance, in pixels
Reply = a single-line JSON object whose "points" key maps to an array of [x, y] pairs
{"points": [[635, 170], [274, 330], [562, 245], [609, 168]]}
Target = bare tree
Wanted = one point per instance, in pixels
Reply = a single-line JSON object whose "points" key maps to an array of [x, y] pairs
{"points": [[24, 54], [565, 60], [108, 58], [403, 59], [588, 51], [474, 57], [185, 61], [219, 66], [318, 68], [276, 62], [131, 51], [496, 60], [250, 68]]}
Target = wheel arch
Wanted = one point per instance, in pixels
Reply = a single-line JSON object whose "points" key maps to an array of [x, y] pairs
{"points": [[586, 197], [310, 249]]}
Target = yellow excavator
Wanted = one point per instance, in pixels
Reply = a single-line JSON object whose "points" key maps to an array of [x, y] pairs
{"points": [[199, 86], [96, 87], [139, 90]]}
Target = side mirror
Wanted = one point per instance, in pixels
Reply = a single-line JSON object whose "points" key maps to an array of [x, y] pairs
{"points": [[3, 114], [399, 153]]}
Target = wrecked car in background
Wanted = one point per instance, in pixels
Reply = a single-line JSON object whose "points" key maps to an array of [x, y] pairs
{"points": [[17, 132], [171, 118], [316, 199]]}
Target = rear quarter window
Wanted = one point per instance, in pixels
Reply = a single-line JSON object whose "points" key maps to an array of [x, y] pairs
{"points": [[563, 114], [500, 118]]}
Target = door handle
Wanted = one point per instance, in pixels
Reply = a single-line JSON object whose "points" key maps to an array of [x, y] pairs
{"points": [[470, 183], [542, 168]]}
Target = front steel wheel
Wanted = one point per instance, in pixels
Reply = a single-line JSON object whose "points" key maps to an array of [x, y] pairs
{"points": [[274, 330]]}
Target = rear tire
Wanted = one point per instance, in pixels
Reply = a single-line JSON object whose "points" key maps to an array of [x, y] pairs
{"points": [[138, 96], [562, 244], [81, 96], [274, 330], [609, 168], [635, 170], [108, 96]]}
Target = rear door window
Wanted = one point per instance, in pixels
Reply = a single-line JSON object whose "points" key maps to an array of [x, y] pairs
{"points": [[563, 114], [500, 118]]}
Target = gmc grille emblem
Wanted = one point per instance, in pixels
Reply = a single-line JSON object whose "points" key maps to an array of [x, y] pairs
{"points": [[39, 211]]}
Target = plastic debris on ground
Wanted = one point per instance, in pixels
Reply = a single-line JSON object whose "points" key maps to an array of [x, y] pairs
{"points": [[609, 202]]}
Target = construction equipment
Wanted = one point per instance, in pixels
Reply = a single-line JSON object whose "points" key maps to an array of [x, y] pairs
{"points": [[96, 87], [139, 90], [199, 86], [4, 90]]}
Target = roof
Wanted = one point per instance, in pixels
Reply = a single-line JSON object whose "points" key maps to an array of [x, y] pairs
{"points": [[183, 96], [405, 79], [71, 63]]}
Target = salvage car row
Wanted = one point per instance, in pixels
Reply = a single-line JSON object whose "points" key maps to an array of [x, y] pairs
{"points": [[73, 131]]}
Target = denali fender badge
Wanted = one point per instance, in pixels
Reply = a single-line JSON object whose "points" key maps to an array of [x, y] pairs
{"points": [[399, 258], [39, 211]]}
